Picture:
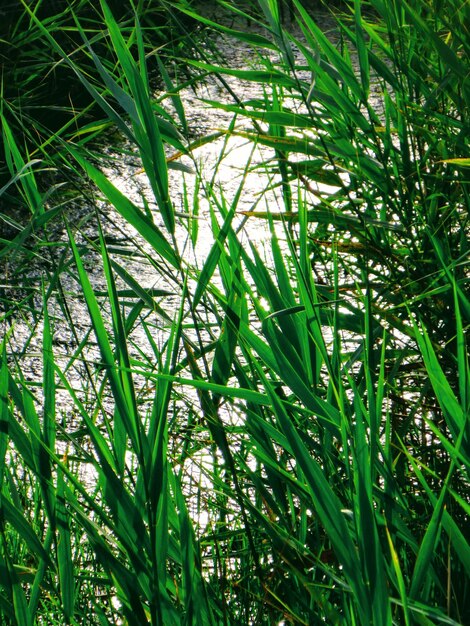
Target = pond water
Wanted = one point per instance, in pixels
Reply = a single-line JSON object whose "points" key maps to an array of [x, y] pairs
{"points": [[229, 167]]}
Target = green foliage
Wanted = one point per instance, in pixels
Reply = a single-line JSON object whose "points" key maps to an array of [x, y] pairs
{"points": [[251, 441]]}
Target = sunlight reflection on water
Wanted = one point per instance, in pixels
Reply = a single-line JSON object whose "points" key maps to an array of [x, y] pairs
{"points": [[223, 166]]}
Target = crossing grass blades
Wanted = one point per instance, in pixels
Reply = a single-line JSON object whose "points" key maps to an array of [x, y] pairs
{"points": [[253, 443]]}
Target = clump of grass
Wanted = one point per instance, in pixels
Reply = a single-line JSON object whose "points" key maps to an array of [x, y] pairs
{"points": [[256, 443]]}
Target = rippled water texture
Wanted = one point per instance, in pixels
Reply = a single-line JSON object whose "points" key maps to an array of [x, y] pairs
{"points": [[227, 166]]}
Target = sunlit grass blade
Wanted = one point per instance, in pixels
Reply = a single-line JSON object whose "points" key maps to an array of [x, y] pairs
{"points": [[282, 117], [213, 257], [362, 50], [247, 37], [226, 345], [456, 419], [146, 130], [173, 91], [273, 76], [123, 402], [157, 475], [17, 164], [123, 365], [149, 231], [272, 12]]}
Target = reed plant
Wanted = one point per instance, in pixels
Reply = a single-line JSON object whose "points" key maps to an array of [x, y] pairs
{"points": [[248, 439]]}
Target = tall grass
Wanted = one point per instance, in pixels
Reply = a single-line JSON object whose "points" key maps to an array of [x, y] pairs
{"points": [[240, 441]]}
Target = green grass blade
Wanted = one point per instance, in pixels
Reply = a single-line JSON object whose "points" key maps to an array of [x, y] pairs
{"points": [[253, 39], [456, 419], [124, 368], [326, 503], [48, 438], [400, 579], [129, 211], [13, 516], [362, 50], [4, 412], [273, 77], [17, 164], [123, 402], [428, 546], [64, 552], [21, 614], [173, 91], [146, 130], [368, 539], [213, 257]]}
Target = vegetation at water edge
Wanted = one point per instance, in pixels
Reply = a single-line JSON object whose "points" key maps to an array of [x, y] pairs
{"points": [[196, 427]]}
